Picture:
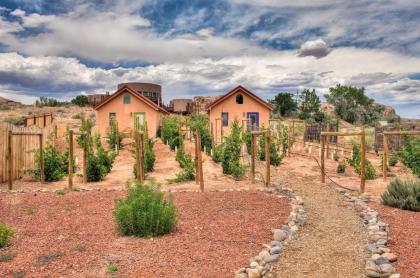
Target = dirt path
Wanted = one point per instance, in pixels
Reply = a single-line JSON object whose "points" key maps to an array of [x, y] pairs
{"points": [[333, 241]]}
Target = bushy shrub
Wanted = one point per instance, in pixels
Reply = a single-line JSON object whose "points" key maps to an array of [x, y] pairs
{"points": [[149, 156], [170, 132], [55, 164], [106, 158], [283, 139], [218, 153], [80, 100], [95, 170], [410, 153], [403, 195], [247, 139], [5, 234], [145, 212], [201, 123], [275, 158], [393, 159], [186, 162], [356, 163], [341, 168], [232, 153], [336, 157], [114, 137]]}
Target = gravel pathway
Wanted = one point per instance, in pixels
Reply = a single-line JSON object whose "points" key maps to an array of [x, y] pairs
{"points": [[333, 241]]}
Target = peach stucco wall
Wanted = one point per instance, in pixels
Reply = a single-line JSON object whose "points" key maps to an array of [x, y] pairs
{"points": [[124, 115], [238, 111]]}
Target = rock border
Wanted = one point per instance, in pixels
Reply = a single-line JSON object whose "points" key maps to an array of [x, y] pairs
{"points": [[380, 263], [263, 264]]}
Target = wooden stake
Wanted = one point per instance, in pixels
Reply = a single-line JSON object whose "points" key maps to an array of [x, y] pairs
{"points": [[85, 156], [322, 159], [385, 157], [137, 150], [288, 141], [141, 157], [363, 162], [197, 172], [41, 158], [10, 158], [200, 162], [70, 179], [267, 158], [253, 148]]}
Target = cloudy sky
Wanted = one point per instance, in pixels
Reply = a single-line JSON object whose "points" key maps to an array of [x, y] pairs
{"points": [[64, 48]]}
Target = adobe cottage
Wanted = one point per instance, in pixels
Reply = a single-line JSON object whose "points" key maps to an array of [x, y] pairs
{"points": [[249, 109], [131, 110]]}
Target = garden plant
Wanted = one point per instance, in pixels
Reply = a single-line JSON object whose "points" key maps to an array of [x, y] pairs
{"points": [[403, 194]]}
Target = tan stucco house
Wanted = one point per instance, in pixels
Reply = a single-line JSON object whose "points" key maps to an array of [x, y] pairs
{"points": [[131, 110], [250, 110]]}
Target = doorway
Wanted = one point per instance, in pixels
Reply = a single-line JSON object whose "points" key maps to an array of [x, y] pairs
{"points": [[253, 120]]}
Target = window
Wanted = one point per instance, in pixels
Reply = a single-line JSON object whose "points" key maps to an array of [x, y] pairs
{"points": [[112, 117], [225, 118], [239, 99], [146, 94], [154, 94], [127, 99]]}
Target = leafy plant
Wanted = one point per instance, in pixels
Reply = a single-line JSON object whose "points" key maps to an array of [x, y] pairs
{"points": [[247, 139], [284, 104], [356, 163], [170, 132], [309, 104], [80, 100], [341, 168], [403, 195], [201, 123], [232, 153], [410, 154], [52, 102], [111, 267], [114, 137], [55, 164], [145, 212], [336, 157], [393, 159], [187, 164], [5, 234], [275, 158], [218, 153]]}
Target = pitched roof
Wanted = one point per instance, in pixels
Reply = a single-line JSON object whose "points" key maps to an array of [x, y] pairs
{"points": [[243, 90], [5, 100], [125, 88]]}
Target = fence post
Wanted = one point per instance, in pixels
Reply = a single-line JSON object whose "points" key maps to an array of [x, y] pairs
{"points": [[253, 147], [41, 158], [70, 179], [85, 160], [197, 172], [200, 161], [288, 140], [267, 158], [385, 157], [322, 158], [141, 154], [363, 162], [10, 158]]}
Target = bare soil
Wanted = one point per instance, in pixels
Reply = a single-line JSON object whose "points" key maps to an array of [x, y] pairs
{"points": [[74, 235]]}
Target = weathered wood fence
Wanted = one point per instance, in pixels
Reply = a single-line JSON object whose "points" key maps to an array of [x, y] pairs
{"points": [[40, 121], [23, 148]]}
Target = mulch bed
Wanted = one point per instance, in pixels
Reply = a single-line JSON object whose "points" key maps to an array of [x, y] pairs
{"points": [[74, 235], [405, 238]]}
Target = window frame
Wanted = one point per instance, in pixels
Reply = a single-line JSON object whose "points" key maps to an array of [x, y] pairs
{"points": [[127, 97], [110, 118], [241, 97]]}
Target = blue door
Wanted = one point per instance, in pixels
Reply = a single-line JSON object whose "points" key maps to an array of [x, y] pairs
{"points": [[253, 120]]}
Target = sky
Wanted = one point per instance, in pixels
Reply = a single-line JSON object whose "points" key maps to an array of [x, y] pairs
{"points": [[63, 48]]}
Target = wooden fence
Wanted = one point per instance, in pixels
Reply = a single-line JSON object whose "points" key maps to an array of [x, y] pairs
{"points": [[23, 148], [313, 132], [40, 121]]}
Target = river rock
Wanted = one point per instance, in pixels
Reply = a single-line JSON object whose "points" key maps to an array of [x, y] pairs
{"points": [[372, 274], [387, 269], [271, 258], [390, 257], [253, 273], [276, 250], [279, 235]]}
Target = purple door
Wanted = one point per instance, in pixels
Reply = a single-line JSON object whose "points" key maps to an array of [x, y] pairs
{"points": [[253, 120]]}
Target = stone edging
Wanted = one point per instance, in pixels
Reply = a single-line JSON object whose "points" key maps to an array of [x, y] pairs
{"points": [[262, 264], [380, 263]]}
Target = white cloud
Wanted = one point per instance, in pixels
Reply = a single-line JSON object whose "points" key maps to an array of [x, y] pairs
{"points": [[317, 48], [32, 20]]}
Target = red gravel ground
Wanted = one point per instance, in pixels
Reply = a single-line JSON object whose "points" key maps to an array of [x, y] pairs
{"points": [[405, 238], [74, 235]]}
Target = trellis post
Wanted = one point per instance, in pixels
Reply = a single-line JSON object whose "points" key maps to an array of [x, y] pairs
{"points": [[267, 158], [10, 159], [70, 178], [41, 158], [253, 147], [322, 159], [363, 162], [385, 157]]}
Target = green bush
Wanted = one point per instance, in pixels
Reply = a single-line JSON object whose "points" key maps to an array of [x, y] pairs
{"points": [[114, 137], [5, 234], [232, 153], [95, 170], [410, 153], [55, 164], [283, 139], [145, 212], [201, 123], [275, 158], [187, 164], [393, 159], [356, 163], [341, 168], [170, 132], [336, 157], [403, 195], [149, 156], [218, 153], [80, 100], [247, 139]]}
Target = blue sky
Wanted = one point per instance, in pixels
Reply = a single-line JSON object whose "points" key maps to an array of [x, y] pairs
{"points": [[64, 48]]}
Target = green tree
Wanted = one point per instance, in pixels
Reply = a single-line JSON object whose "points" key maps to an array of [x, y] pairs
{"points": [[232, 152], [284, 104], [309, 104], [80, 100]]}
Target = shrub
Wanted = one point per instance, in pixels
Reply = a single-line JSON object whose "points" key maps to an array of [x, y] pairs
{"points": [[247, 138], [403, 195], [201, 123], [170, 132], [336, 157], [18, 120], [145, 212], [114, 137], [218, 153], [283, 139], [80, 100], [393, 159], [5, 234], [410, 153], [187, 164], [356, 163], [341, 168], [232, 152], [149, 157], [95, 170], [275, 158], [77, 116], [55, 164]]}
